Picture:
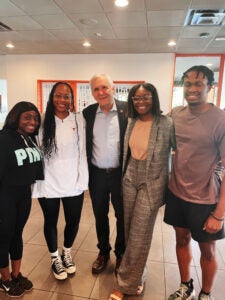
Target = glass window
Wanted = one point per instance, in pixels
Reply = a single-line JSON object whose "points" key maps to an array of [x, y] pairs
{"points": [[185, 62]]}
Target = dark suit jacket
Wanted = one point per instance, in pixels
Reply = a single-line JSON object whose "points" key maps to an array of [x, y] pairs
{"points": [[89, 115]]}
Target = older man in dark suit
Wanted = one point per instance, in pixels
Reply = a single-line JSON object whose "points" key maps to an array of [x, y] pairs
{"points": [[106, 123]]}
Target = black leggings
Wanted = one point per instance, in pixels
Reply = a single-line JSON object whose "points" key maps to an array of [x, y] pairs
{"points": [[72, 211], [15, 206]]}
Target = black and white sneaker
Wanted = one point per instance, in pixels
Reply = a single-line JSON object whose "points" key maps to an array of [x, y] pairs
{"points": [[24, 282], [185, 292], [68, 262], [203, 296], [58, 269], [12, 288]]}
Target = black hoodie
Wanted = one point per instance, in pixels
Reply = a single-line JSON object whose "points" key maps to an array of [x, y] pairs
{"points": [[20, 159]]}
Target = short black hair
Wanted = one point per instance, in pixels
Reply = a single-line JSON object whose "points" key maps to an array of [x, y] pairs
{"points": [[13, 117], [132, 113], [208, 73]]}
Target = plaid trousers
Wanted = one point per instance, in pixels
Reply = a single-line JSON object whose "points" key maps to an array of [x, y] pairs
{"points": [[139, 220]]}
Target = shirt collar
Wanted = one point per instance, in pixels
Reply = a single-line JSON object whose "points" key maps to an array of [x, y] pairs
{"points": [[57, 119], [114, 108]]}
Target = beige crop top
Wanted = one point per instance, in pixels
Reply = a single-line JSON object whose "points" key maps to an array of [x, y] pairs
{"points": [[139, 139]]}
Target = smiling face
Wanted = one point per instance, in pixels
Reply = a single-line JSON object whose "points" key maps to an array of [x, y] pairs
{"points": [[62, 100], [28, 122], [103, 92], [196, 88], [142, 102]]}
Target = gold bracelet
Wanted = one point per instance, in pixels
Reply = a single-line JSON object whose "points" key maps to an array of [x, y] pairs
{"points": [[218, 219]]}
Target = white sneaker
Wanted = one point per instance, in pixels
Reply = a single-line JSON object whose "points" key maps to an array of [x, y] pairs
{"points": [[203, 296]]}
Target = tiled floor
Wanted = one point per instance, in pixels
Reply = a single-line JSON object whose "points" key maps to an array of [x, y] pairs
{"points": [[163, 275]]}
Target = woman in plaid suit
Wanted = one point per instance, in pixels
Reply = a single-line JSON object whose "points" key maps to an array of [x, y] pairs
{"points": [[147, 147]]}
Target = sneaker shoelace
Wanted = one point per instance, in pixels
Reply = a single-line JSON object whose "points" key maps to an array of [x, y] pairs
{"points": [[58, 265], [67, 258], [15, 287], [182, 291], [25, 283]]}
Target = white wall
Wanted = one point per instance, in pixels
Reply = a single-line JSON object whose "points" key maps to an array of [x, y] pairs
{"points": [[2, 67], [23, 71]]}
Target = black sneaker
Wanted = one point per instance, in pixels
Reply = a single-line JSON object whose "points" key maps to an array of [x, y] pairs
{"points": [[24, 282], [58, 269], [185, 292], [68, 262], [12, 288]]}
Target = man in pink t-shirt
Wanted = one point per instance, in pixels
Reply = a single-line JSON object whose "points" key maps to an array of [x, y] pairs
{"points": [[195, 204]]}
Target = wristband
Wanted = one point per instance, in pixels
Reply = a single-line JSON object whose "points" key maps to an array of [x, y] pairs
{"points": [[218, 219]]}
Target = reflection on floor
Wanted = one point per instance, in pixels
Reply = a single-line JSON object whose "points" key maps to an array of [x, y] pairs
{"points": [[163, 275]]}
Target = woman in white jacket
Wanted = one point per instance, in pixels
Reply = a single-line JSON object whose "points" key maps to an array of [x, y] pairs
{"points": [[62, 141]]}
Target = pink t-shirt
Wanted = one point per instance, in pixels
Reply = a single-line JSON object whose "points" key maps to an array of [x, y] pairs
{"points": [[200, 145]]}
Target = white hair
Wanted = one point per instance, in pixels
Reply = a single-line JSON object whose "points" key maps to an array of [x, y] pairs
{"points": [[95, 76]]}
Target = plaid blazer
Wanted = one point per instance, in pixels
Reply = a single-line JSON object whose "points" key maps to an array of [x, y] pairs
{"points": [[161, 141]]}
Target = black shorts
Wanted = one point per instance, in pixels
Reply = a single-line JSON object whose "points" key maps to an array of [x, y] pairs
{"points": [[180, 213]]}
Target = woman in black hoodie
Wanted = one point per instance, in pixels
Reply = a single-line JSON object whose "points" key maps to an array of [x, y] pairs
{"points": [[20, 166]]}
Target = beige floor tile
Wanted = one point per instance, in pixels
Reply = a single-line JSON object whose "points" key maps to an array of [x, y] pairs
{"points": [[42, 276], [3, 296], [32, 295], [156, 250], [82, 234], [162, 278], [35, 226], [90, 241], [104, 284], [37, 295], [155, 283], [220, 251], [32, 256], [169, 243], [82, 283], [172, 278], [38, 238], [218, 290], [58, 296]]}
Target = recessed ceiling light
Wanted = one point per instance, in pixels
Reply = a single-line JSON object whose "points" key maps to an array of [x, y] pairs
{"points": [[121, 3], [88, 22], [204, 35], [220, 38], [172, 43], [87, 44], [209, 65], [10, 45], [98, 34]]}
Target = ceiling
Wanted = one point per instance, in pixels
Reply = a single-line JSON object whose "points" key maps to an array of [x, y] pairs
{"points": [[144, 26]]}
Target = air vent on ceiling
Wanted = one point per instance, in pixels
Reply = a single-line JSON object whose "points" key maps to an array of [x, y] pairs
{"points": [[4, 27], [205, 17]]}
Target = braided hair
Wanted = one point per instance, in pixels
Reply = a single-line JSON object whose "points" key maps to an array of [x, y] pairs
{"points": [[200, 69], [49, 145]]}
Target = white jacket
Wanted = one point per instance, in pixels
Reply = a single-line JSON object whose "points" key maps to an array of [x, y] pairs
{"points": [[66, 172]]}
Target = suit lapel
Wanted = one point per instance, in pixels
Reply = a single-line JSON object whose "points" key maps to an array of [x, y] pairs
{"points": [[92, 117], [152, 141], [130, 127], [120, 112]]}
